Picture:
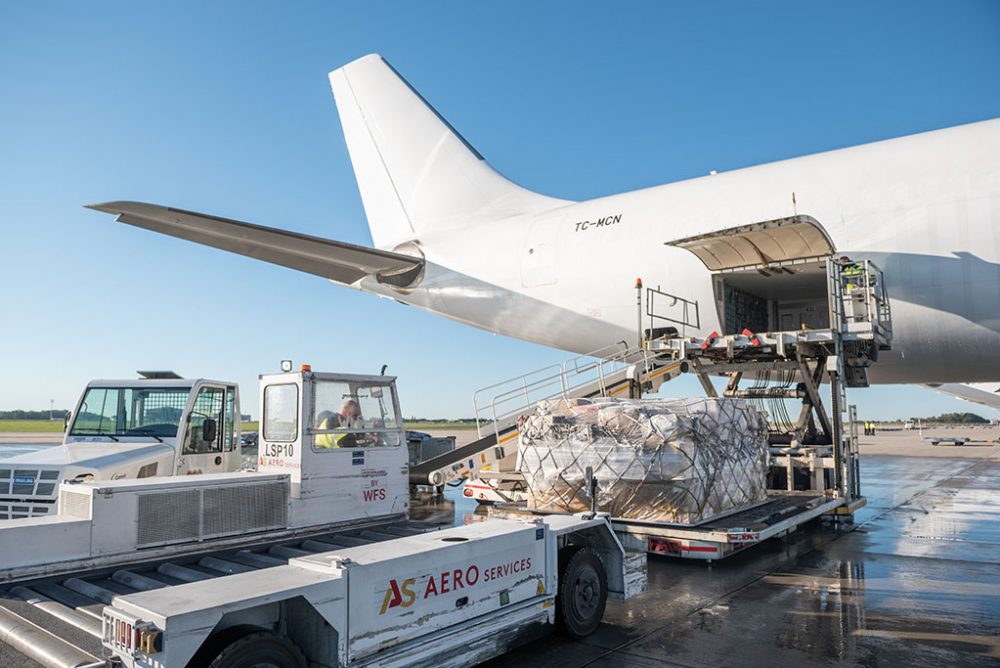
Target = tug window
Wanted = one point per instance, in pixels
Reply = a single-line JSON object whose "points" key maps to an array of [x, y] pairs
{"points": [[281, 412], [207, 406]]}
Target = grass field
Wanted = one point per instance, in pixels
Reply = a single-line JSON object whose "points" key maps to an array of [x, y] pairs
{"points": [[32, 426]]}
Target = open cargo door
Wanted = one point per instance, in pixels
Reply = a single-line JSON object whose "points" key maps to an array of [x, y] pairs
{"points": [[760, 244], [769, 276]]}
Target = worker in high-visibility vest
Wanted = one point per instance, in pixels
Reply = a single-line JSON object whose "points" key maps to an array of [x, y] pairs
{"points": [[349, 416], [327, 420], [850, 271]]}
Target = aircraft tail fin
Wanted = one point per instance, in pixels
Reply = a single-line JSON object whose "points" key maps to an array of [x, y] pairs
{"points": [[416, 173]]}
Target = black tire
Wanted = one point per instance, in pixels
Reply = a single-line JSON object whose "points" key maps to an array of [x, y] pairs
{"points": [[261, 649], [583, 592]]}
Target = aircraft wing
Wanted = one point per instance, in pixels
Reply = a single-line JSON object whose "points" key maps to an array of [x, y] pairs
{"points": [[986, 394], [336, 260]]}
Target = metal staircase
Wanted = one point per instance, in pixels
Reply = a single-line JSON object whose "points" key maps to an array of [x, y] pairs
{"points": [[617, 370]]}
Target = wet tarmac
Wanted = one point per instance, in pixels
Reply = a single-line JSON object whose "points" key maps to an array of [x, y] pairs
{"points": [[915, 581]]}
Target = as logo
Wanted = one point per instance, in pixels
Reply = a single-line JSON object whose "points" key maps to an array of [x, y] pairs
{"points": [[396, 596]]}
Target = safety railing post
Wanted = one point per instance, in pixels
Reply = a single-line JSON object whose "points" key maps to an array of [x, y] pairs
{"points": [[638, 311]]}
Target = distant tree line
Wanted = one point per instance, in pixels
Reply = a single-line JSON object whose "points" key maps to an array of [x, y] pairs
{"points": [[956, 418], [33, 415]]}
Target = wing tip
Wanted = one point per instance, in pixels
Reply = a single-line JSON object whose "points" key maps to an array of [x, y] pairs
{"points": [[106, 207], [116, 207], [121, 207]]}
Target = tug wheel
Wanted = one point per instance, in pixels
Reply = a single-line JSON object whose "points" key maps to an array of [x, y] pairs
{"points": [[261, 649], [583, 592]]}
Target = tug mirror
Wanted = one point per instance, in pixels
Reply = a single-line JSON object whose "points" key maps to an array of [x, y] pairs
{"points": [[209, 430]]}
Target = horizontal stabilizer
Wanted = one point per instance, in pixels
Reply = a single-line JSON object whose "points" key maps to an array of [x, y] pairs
{"points": [[336, 260]]}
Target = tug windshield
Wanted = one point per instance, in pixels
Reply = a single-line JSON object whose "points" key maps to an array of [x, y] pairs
{"points": [[130, 411], [355, 415]]}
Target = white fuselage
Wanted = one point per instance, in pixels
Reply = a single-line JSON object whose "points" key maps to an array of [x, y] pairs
{"points": [[925, 208]]}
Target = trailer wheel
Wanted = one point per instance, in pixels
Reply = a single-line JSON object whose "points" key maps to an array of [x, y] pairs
{"points": [[583, 592], [261, 649]]}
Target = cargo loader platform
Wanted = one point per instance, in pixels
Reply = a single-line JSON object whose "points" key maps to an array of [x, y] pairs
{"points": [[813, 456]]}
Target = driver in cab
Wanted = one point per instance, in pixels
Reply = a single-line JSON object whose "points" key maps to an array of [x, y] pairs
{"points": [[349, 417]]}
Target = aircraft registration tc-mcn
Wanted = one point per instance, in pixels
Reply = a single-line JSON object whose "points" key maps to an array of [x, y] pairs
{"points": [[456, 238]]}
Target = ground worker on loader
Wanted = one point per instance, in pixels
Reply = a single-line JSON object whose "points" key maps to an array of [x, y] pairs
{"points": [[349, 416], [850, 272]]}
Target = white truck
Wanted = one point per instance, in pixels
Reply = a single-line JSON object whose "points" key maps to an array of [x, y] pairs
{"points": [[309, 561], [157, 425]]}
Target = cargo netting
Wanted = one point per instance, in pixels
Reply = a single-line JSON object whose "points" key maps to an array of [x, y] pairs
{"points": [[681, 461]]}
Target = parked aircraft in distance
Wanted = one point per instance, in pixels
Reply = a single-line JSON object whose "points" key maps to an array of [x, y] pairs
{"points": [[456, 238]]}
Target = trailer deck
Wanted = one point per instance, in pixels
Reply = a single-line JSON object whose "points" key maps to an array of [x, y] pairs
{"points": [[781, 514]]}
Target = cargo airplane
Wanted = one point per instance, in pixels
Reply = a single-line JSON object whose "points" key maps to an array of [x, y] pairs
{"points": [[454, 237]]}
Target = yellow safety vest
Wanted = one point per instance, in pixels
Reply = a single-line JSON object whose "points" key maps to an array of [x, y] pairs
{"points": [[328, 440], [849, 272]]}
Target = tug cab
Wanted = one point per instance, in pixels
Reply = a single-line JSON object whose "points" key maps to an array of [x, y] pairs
{"points": [[156, 425], [359, 465], [198, 419]]}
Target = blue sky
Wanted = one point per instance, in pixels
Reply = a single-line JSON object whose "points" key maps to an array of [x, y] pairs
{"points": [[225, 108]]}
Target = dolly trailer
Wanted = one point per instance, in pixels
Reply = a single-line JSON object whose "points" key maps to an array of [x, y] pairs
{"points": [[454, 597]]}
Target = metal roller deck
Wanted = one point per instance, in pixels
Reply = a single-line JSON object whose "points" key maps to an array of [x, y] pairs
{"points": [[58, 618]]}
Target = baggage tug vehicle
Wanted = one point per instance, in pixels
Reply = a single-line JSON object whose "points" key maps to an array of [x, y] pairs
{"points": [[310, 561], [156, 425]]}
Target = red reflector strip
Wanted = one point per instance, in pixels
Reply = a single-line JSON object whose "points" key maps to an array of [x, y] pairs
{"points": [[698, 548]]}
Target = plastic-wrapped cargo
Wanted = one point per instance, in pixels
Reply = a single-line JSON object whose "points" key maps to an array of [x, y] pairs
{"points": [[681, 461]]}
